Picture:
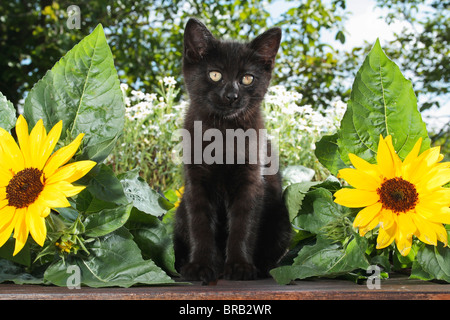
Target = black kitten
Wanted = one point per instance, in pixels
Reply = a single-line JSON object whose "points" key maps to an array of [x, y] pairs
{"points": [[232, 220]]}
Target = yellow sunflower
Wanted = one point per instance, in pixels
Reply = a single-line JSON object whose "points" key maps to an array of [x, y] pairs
{"points": [[403, 198], [33, 180]]}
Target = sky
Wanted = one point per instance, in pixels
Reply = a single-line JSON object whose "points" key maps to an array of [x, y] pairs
{"points": [[364, 24]]}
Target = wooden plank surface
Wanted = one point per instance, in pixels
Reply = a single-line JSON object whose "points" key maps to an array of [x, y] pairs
{"points": [[318, 289]]}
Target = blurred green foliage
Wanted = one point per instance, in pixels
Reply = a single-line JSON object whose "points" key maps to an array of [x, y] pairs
{"points": [[146, 39]]}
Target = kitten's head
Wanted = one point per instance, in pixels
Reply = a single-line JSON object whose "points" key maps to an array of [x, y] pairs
{"points": [[227, 77]]}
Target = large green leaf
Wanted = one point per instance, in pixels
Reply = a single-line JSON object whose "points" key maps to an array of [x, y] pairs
{"points": [[327, 152], [325, 258], [293, 196], [317, 211], [153, 238], [382, 103], [433, 261], [140, 194], [19, 274], [82, 89], [104, 185], [114, 260], [295, 193], [7, 113], [103, 222]]}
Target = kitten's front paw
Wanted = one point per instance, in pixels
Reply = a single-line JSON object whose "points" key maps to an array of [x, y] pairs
{"points": [[195, 271], [240, 271]]}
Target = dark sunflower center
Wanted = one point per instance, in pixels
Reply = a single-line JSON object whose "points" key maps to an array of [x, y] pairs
{"points": [[24, 188], [398, 195]]}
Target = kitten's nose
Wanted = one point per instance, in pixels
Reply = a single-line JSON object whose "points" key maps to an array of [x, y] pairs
{"points": [[231, 96]]}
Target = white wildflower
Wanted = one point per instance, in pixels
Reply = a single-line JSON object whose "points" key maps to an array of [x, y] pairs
{"points": [[124, 87], [292, 108], [127, 102], [169, 81], [150, 97], [137, 95]]}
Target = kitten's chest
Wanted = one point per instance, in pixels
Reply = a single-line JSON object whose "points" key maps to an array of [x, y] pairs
{"points": [[226, 183]]}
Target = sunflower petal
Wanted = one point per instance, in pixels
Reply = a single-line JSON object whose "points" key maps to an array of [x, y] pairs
{"points": [[370, 226], [11, 157], [5, 177], [6, 217], [430, 232], [366, 215], [72, 171], [422, 165], [49, 144], [412, 155], [408, 164], [45, 212], [425, 231], [406, 224], [43, 208], [61, 156], [395, 158], [23, 138], [387, 218], [433, 212], [437, 180], [36, 223], [53, 198], [7, 222], [440, 196], [68, 189], [2, 193], [355, 198], [37, 137], [433, 156], [386, 236], [82, 168], [405, 230], [403, 242], [61, 174], [20, 230], [359, 163], [3, 203], [441, 233], [360, 179], [385, 159], [442, 217]]}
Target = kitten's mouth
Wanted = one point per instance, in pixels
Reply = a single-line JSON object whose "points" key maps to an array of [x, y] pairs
{"points": [[232, 115], [228, 113]]}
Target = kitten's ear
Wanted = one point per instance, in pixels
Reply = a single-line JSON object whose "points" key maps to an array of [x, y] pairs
{"points": [[267, 44], [197, 40]]}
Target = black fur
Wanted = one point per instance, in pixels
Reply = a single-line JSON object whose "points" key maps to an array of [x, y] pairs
{"points": [[232, 221]]}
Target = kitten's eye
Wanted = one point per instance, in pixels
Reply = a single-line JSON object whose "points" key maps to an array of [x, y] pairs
{"points": [[215, 76], [247, 79]]}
